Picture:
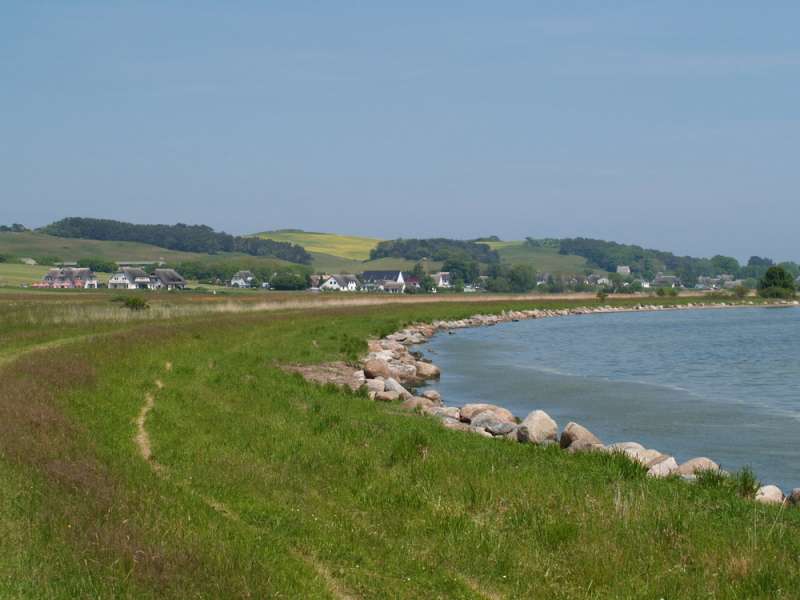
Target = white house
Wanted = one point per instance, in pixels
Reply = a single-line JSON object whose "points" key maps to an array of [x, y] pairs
{"points": [[340, 283], [603, 281], [168, 279], [242, 279], [623, 270], [129, 278], [441, 279], [384, 280]]}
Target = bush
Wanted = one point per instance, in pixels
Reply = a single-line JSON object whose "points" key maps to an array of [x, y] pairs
{"points": [[602, 295], [777, 282], [134, 303]]}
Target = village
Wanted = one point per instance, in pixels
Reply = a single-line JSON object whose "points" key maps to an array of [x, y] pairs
{"points": [[145, 276]]}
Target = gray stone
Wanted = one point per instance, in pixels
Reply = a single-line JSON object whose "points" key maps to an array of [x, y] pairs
{"points": [[391, 385], [794, 497], [470, 411], [578, 435], [537, 428], [375, 385], [488, 421]]}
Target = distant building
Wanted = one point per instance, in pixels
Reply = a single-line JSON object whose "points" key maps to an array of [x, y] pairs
{"points": [[129, 278], [670, 281], [242, 279], [133, 278], [442, 279], [340, 283], [69, 278], [168, 279], [383, 280], [623, 270]]}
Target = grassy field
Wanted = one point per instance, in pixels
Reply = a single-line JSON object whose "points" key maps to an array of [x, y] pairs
{"points": [[31, 244], [259, 484], [345, 246], [543, 260], [14, 275]]}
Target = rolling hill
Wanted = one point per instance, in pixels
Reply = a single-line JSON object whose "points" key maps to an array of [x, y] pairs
{"points": [[342, 246], [541, 259]]}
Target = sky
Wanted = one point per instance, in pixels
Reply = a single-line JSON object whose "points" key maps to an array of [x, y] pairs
{"points": [[674, 125]]}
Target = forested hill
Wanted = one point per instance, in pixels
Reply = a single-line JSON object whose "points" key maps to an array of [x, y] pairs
{"points": [[187, 238], [440, 249], [647, 262]]}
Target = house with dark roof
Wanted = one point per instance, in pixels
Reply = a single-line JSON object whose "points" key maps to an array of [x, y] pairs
{"points": [[379, 280], [168, 279], [69, 278]]}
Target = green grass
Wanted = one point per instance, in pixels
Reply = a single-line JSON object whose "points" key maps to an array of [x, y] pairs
{"points": [[344, 246], [541, 259], [30, 244], [15, 274], [272, 487]]}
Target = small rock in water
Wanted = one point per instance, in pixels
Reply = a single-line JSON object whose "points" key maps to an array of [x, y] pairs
{"points": [[432, 395]]}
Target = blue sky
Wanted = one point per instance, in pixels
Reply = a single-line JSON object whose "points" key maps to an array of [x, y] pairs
{"points": [[674, 125]]}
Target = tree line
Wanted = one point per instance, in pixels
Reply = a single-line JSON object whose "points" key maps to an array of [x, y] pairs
{"points": [[647, 263], [182, 237], [438, 249]]}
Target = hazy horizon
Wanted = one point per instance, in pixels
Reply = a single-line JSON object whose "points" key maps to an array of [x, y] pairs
{"points": [[673, 127]]}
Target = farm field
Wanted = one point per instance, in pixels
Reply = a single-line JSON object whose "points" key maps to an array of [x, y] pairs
{"points": [[345, 246], [166, 454]]}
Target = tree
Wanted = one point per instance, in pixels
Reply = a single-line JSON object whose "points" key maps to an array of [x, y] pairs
{"points": [[462, 267], [98, 264], [725, 264], [776, 283], [522, 278]]}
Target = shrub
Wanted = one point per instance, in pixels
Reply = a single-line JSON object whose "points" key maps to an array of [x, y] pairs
{"points": [[777, 282], [134, 303], [602, 295]]}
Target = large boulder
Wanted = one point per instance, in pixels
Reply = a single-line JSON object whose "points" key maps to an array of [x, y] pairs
{"points": [[537, 428], [577, 437], [387, 396], [769, 494], [488, 421], [663, 468], [470, 411], [374, 367], [645, 457], [695, 465], [392, 385], [427, 370], [375, 385], [416, 402], [623, 446], [444, 411], [457, 425], [433, 396], [794, 497]]}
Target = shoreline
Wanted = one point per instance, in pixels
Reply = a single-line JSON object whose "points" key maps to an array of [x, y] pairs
{"points": [[393, 362]]}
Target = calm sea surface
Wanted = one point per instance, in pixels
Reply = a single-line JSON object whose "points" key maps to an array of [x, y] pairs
{"points": [[719, 383]]}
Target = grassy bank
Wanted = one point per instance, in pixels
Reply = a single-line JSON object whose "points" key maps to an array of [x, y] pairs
{"points": [[263, 485]]}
